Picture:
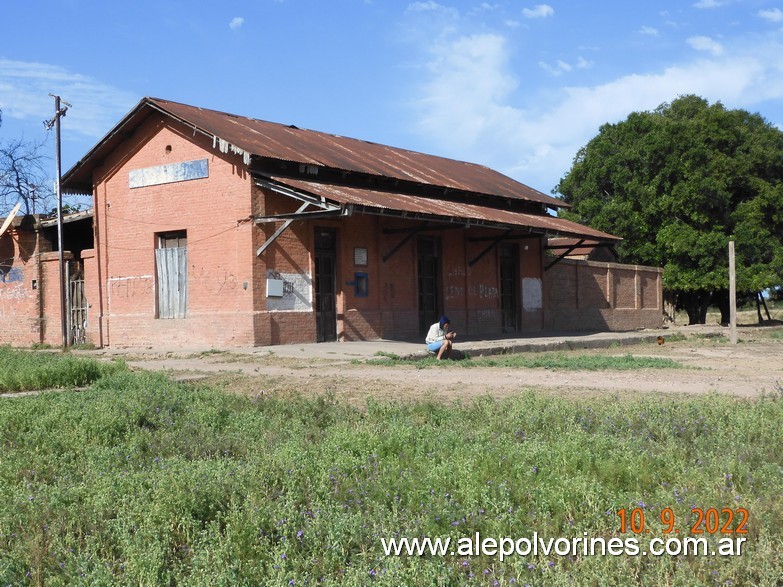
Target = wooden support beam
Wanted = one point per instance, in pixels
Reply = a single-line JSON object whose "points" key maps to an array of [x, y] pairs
{"points": [[512, 237], [564, 255], [494, 243], [278, 232], [312, 214], [398, 246]]}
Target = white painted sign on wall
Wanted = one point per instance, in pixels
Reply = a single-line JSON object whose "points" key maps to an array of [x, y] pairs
{"points": [[297, 292], [531, 294]]}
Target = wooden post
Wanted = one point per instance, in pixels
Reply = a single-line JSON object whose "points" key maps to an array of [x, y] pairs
{"points": [[732, 293]]}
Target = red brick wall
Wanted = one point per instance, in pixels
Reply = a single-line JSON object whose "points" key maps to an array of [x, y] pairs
{"points": [[214, 211], [92, 291], [292, 320], [589, 295], [531, 259], [483, 286], [397, 287], [362, 317], [20, 283], [51, 316]]}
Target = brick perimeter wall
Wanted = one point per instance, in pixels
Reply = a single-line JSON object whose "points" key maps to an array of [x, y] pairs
{"points": [[20, 286], [590, 295]]}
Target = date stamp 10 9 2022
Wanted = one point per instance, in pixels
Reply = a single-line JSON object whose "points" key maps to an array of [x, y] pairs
{"points": [[710, 521]]}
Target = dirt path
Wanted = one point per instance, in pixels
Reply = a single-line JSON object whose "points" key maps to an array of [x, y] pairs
{"points": [[749, 369]]}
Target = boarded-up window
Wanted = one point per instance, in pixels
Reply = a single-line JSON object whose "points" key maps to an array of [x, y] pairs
{"points": [[171, 263]]}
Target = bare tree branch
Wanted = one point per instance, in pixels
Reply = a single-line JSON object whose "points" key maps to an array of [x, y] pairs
{"points": [[23, 176]]}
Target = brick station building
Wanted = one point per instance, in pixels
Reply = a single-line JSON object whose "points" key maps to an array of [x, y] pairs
{"points": [[215, 229]]}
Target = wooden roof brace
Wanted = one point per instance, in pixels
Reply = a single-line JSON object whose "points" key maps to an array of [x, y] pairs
{"points": [[400, 244], [300, 214], [494, 243], [324, 209], [278, 232], [564, 255]]}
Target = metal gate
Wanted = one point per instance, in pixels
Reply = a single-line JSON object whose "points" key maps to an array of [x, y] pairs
{"points": [[77, 304]]}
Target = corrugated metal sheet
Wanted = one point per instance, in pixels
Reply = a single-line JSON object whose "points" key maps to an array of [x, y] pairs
{"points": [[457, 212], [267, 139]]}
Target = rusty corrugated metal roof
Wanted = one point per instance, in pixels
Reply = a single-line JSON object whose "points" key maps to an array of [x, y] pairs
{"points": [[455, 211], [278, 141]]}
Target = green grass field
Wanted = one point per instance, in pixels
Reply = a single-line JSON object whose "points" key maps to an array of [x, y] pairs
{"points": [[143, 481], [30, 370]]}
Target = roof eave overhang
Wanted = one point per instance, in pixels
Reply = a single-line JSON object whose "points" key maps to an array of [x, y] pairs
{"points": [[519, 229], [78, 179]]}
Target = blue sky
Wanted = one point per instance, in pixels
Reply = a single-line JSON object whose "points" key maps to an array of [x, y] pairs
{"points": [[518, 86]]}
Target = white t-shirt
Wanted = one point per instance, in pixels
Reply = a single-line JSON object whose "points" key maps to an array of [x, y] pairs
{"points": [[435, 333]]}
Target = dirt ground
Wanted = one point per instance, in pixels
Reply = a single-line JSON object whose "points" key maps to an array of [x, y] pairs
{"points": [[711, 364]]}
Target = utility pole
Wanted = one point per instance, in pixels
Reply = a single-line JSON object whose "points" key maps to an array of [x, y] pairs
{"points": [[59, 112]]}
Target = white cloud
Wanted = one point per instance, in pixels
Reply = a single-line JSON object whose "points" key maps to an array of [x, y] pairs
{"points": [[648, 30], [701, 43], [470, 109], [236, 23], [538, 11], [583, 63], [423, 6], [468, 86], [560, 67], [772, 15], [96, 107], [708, 4]]}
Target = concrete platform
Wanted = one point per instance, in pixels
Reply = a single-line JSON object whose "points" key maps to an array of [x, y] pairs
{"points": [[539, 342]]}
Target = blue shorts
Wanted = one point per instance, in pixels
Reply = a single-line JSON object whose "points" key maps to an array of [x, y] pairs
{"points": [[434, 347]]}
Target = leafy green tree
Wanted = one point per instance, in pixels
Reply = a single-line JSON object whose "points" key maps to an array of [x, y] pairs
{"points": [[677, 184]]}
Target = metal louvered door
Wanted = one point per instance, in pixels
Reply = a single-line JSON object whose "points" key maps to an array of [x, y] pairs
{"points": [[325, 284], [428, 265], [509, 287]]}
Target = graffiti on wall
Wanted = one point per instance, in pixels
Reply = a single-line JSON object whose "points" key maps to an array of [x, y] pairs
{"points": [[13, 293], [297, 292], [484, 292], [218, 280], [454, 291], [130, 287], [12, 275], [486, 316], [455, 271]]}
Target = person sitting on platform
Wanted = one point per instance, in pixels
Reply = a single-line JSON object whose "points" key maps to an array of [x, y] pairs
{"points": [[440, 339]]}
